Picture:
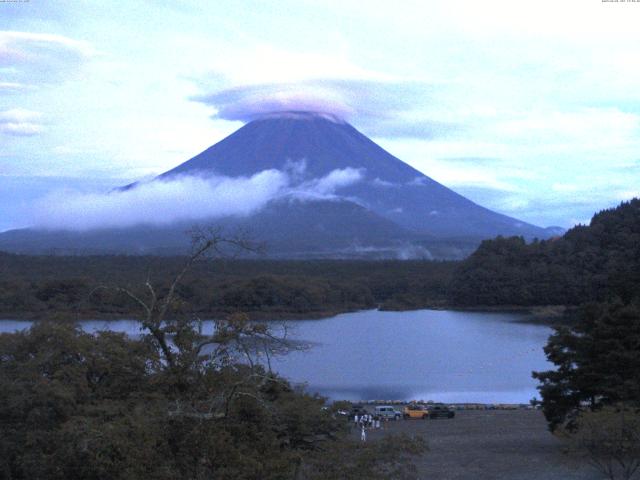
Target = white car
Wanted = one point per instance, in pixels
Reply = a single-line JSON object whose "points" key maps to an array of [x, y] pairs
{"points": [[387, 411]]}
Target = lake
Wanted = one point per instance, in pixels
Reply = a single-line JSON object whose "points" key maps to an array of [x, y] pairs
{"points": [[438, 355]]}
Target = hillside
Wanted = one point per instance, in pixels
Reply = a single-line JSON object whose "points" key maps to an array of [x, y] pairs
{"points": [[588, 263]]}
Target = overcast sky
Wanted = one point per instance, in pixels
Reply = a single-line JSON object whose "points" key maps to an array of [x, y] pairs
{"points": [[531, 108]]}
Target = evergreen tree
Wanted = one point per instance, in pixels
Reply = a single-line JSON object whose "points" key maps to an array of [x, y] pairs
{"points": [[589, 263], [597, 360]]}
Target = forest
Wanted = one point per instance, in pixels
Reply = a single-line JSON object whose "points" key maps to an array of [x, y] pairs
{"points": [[589, 263], [31, 286]]}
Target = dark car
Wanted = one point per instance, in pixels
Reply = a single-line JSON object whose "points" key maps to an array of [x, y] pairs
{"points": [[357, 409], [440, 411]]}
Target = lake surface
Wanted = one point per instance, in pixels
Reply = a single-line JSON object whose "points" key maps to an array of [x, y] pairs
{"points": [[425, 354]]}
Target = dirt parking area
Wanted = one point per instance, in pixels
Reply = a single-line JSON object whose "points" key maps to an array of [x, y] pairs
{"points": [[490, 444]]}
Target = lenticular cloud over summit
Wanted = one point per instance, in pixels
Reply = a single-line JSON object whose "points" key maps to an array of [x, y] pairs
{"points": [[183, 198], [384, 107], [366, 100], [249, 104]]}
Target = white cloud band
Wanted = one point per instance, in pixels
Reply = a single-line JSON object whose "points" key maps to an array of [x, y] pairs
{"points": [[180, 199]]}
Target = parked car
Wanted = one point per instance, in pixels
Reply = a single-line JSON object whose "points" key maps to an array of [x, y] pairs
{"points": [[439, 410], [357, 409], [415, 411], [388, 412]]}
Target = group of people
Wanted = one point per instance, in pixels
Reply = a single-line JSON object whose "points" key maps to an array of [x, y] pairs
{"points": [[365, 421]]}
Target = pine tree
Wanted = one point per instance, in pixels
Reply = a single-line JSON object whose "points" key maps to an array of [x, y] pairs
{"points": [[597, 359]]}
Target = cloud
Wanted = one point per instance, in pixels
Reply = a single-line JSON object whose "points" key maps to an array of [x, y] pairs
{"points": [[251, 102], [381, 106], [19, 115], [485, 161], [185, 198], [335, 180], [383, 183], [591, 127], [406, 128], [13, 87], [160, 202], [565, 187], [562, 204], [24, 47], [20, 122], [30, 58], [20, 129]]}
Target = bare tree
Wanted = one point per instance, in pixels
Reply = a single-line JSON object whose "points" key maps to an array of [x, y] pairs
{"points": [[155, 320], [183, 347]]}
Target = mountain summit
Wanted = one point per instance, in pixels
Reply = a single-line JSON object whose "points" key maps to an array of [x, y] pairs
{"points": [[342, 195]]}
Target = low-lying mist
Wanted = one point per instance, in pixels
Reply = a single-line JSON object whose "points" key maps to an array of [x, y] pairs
{"points": [[184, 198]]}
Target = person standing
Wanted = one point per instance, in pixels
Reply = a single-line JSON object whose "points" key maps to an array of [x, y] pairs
{"points": [[356, 419], [363, 434]]}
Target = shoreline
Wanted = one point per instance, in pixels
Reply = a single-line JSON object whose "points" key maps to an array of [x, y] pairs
{"points": [[539, 315], [453, 405], [114, 317]]}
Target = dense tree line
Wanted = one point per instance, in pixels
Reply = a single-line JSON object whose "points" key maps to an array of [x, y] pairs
{"points": [[592, 395], [596, 351], [37, 285], [597, 362], [589, 263]]}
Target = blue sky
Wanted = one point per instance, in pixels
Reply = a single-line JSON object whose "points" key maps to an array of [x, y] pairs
{"points": [[529, 108]]}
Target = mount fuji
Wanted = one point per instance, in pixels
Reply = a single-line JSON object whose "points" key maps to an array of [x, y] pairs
{"points": [[345, 197]]}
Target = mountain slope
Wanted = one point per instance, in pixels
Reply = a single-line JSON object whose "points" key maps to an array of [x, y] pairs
{"points": [[389, 187], [342, 195]]}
